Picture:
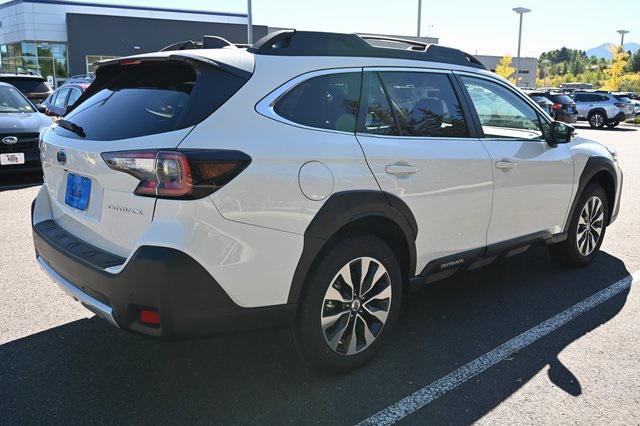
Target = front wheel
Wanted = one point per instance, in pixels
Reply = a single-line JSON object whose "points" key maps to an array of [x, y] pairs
{"points": [[350, 304], [586, 230]]}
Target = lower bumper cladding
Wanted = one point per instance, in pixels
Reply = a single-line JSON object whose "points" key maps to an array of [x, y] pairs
{"points": [[94, 305], [184, 298]]}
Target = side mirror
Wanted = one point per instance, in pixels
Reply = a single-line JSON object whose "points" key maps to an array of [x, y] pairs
{"points": [[560, 132], [41, 108]]}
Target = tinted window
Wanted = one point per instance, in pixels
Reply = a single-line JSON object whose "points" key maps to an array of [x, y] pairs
{"points": [[502, 113], [28, 85], [539, 98], [622, 98], [379, 118], [326, 102], [561, 99], [73, 97], [425, 104], [150, 98], [62, 96]]}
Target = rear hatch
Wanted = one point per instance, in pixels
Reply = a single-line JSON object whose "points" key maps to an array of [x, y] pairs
{"points": [[137, 105], [35, 88]]}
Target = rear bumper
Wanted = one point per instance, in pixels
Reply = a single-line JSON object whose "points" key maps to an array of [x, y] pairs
{"points": [[187, 298]]}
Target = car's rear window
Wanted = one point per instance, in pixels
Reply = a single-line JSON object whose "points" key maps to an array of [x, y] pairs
{"points": [[561, 99], [28, 85], [151, 98], [622, 98]]}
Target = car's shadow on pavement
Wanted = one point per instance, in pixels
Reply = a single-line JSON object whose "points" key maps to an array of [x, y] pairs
{"points": [[18, 181], [86, 371]]}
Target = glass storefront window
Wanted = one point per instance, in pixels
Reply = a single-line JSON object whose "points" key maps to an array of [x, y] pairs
{"points": [[38, 57], [29, 49], [92, 59]]}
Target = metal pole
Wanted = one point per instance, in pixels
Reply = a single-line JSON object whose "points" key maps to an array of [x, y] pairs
{"points": [[419, 15], [622, 39], [519, 44], [249, 23]]}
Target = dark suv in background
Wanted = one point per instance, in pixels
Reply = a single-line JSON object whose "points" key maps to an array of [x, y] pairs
{"points": [[34, 87], [564, 108]]}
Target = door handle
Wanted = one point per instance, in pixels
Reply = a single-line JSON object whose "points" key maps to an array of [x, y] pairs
{"points": [[400, 169], [506, 164]]}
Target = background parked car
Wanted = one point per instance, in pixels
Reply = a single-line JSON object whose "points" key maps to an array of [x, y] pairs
{"points": [[542, 101], [603, 108], [56, 104], [635, 100], [77, 79], [34, 87], [20, 126], [564, 108]]}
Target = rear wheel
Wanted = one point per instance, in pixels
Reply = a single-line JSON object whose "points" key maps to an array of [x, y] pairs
{"points": [[597, 119], [350, 303], [586, 230]]}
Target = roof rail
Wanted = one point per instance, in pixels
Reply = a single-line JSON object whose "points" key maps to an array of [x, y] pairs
{"points": [[313, 43], [208, 42]]}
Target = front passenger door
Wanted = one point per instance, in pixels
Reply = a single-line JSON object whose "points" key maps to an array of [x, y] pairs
{"points": [[533, 181]]}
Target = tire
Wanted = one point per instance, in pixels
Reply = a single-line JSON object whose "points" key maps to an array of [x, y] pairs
{"points": [[576, 251], [597, 119], [331, 347]]}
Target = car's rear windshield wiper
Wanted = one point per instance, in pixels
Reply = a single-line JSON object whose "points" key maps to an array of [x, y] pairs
{"points": [[72, 127]]}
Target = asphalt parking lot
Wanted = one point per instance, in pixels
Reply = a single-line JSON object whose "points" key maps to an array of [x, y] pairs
{"points": [[59, 364]]}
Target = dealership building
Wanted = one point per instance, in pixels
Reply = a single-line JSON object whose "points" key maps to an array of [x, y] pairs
{"points": [[57, 38]]}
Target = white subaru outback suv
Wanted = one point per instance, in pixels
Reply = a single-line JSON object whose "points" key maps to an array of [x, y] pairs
{"points": [[310, 180]]}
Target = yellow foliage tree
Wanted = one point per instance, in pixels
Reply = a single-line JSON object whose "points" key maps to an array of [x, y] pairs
{"points": [[505, 69], [614, 73]]}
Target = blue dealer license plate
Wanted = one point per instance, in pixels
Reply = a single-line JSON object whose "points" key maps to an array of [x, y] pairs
{"points": [[78, 191]]}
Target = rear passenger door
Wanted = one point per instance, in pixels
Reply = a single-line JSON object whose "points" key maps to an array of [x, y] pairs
{"points": [[416, 136]]}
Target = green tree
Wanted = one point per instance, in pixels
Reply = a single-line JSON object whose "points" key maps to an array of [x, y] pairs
{"points": [[634, 62]]}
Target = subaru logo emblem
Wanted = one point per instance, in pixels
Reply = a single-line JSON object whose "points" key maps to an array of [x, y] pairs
{"points": [[9, 140], [61, 157]]}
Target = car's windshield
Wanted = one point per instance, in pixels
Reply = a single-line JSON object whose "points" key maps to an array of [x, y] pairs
{"points": [[11, 100]]}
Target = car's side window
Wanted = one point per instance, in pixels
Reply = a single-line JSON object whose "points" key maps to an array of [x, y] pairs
{"points": [[502, 114], [61, 98], [379, 118], [424, 104], [73, 97], [327, 102]]}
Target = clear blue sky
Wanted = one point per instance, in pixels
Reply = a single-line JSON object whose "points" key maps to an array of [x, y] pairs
{"points": [[477, 26]]}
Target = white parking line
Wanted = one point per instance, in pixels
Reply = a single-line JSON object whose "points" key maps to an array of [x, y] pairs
{"points": [[427, 394]]}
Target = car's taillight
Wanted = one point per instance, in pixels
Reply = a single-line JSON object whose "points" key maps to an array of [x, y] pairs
{"points": [[557, 106], [186, 174]]}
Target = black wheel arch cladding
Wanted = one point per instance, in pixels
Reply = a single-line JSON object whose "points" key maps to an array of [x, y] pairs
{"points": [[342, 209], [592, 168]]}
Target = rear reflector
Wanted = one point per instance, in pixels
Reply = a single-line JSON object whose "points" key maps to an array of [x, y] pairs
{"points": [[184, 174], [149, 317]]}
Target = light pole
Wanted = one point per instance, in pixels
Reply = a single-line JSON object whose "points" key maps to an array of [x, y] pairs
{"points": [[419, 16], [622, 33], [249, 24], [520, 11]]}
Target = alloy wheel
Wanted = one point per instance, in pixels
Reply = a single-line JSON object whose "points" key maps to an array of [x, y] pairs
{"points": [[356, 306], [597, 120], [590, 224]]}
